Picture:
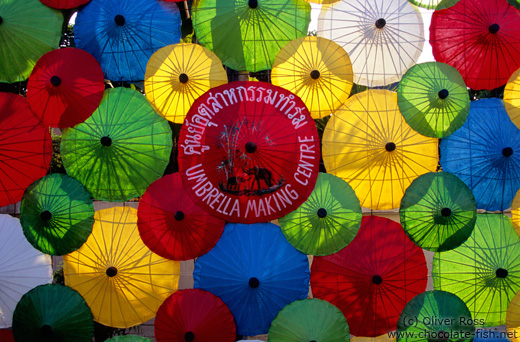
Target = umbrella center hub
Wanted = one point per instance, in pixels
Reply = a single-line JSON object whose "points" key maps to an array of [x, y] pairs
{"points": [[377, 279], [494, 28], [380, 23], [46, 330], [106, 141], [322, 213], [46, 215], [254, 282], [1, 20], [507, 152], [119, 19], [55, 81], [189, 336], [251, 147], [501, 273], [253, 3], [183, 78], [390, 147], [444, 93], [445, 212], [315, 74], [179, 215], [111, 271]]}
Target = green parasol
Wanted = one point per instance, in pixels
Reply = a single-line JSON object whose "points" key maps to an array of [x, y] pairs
{"points": [[429, 4], [56, 214], [435, 316], [128, 338], [28, 30], [484, 271], [438, 211], [51, 313], [327, 221], [121, 149], [248, 34], [309, 320], [433, 99]]}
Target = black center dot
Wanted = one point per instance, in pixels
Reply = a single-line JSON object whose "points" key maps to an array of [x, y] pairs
{"points": [[444, 93], [377, 279], [315, 74], [507, 152], [46, 215], [55, 81], [183, 78], [106, 141], [189, 336], [251, 147], [111, 271], [254, 282], [253, 3], [322, 213], [1, 20], [179, 215], [119, 19], [501, 273], [380, 23], [390, 147], [494, 28], [445, 212], [46, 330]]}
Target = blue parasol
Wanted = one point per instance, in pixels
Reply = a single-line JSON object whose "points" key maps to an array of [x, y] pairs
{"points": [[485, 154], [123, 34], [256, 272]]}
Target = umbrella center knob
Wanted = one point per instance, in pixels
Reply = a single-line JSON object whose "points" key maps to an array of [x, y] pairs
{"points": [[119, 19], [380, 23], [254, 282], [179, 215], [507, 152], [251, 147], [111, 271], [322, 213], [1, 20], [494, 28], [377, 279], [189, 336], [315, 74], [183, 78], [501, 273], [46, 215], [390, 146], [55, 81], [106, 141], [253, 3], [443, 94], [46, 331], [445, 212]]}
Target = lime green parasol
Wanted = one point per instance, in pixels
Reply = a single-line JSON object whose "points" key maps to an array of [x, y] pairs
{"points": [[121, 149]]}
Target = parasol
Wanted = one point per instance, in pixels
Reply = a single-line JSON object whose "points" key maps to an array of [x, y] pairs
{"points": [[28, 29], [56, 214], [369, 144], [6, 335], [65, 87], [484, 270], [123, 282], [484, 154], [438, 211], [373, 278], [249, 152], [512, 98], [247, 35], [123, 34], [513, 318], [256, 272], [64, 4], [26, 148], [309, 320], [515, 211], [433, 99], [194, 315], [382, 38], [327, 221], [172, 225], [22, 267], [435, 316], [317, 70], [176, 75], [429, 4], [50, 313], [121, 149], [481, 39]]}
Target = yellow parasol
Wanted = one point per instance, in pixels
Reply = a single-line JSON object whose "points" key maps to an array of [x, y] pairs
{"points": [[368, 143], [316, 69], [515, 212], [122, 281], [177, 75], [513, 318], [512, 98]]}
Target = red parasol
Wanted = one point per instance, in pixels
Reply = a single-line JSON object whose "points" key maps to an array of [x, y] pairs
{"points": [[65, 87], [194, 315], [25, 145], [6, 335], [481, 39], [172, 225], [64, 4], [249, 152], [373, 278]]}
